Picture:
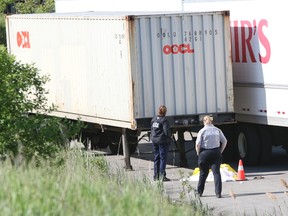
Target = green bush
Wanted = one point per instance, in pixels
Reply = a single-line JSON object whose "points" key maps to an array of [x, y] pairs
{"points": [[82, 185], [35, 6]]}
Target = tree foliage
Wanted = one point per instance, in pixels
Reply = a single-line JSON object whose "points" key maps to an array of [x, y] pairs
{"points": [[34, 6], [4, 4], [2, 30], [27, 6], [22, 133]]}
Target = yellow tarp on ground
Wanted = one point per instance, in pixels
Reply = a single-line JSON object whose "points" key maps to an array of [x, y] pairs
{"points": [[227, 174]]}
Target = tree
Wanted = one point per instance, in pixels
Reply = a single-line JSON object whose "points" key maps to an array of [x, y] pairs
{"points": [[5, 4], [34, 6], [27, 6], [26, 129], [2, 30]]}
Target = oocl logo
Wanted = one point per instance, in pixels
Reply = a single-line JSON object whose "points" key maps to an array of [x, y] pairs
{"points": [[177, 48], [23, 39]]}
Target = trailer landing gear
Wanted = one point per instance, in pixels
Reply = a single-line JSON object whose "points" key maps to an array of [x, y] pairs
{"points": [[181, 148], [126, 152]]}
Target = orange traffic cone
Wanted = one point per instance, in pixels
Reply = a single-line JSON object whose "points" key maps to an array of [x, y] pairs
{"points": [[241, 173]]}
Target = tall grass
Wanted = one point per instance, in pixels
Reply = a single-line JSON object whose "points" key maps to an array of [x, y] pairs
{"points": [[79, 184]]}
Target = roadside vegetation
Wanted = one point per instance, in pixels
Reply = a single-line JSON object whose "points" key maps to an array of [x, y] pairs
{"points": [[75, 183]]}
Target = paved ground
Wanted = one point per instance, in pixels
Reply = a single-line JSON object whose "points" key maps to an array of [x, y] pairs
{"points": [[262, 194]]}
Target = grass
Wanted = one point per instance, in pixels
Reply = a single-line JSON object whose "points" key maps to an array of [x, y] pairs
{"points": [[78, 184]]}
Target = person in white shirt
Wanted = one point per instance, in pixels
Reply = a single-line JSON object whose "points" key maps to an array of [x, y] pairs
{"points": [[210, 144]]}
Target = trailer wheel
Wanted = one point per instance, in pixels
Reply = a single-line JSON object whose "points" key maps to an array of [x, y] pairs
{"points": [[118, 149], [104, 141], [115, 149], [266, 145], [248, 144], [97, 139], [115, 144], [230, 152], [87, 137]]}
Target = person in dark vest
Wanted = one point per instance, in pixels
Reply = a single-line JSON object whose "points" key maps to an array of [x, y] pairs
{"points": [[210, 144], [161, 139]]}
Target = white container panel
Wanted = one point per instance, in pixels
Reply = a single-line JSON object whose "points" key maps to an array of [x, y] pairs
{"points": [[87, 60]]}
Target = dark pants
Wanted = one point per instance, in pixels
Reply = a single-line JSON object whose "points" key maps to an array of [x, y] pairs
{"points": [[160, 158], [210, 158]]}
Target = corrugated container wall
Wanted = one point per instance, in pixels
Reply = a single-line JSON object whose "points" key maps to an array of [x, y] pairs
{"points": [[115, 69], [184, 62]]}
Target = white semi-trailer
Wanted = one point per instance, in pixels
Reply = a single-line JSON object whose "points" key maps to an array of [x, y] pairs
{"points": [[259, 76], [113, 70]]}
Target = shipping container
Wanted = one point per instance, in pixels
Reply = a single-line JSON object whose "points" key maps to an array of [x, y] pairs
{"points": [[113, 70]]}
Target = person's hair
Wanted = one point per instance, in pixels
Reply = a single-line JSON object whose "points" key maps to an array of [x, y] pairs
{"points": [[207, 120], [162, 110]]}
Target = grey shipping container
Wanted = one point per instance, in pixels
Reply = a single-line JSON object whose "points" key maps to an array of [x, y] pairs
{"points": [[115, 69]]}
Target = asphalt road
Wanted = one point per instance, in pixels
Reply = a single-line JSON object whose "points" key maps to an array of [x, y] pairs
{"points": [[264, 192]]}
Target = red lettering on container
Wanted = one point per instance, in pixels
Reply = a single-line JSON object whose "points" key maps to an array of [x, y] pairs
{"points": [[23, 39], [177, 48]]}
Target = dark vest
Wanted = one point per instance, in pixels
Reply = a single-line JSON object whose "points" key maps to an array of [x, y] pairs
{"points": [[157, 129]]}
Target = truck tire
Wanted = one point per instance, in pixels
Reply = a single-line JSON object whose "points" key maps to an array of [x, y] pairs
{"points": [[230, 152], [114, 140], [118, 149], [266, 145], [104, 141], [248, 144], [115, 144], [87, 137], [97, 140]]}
